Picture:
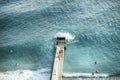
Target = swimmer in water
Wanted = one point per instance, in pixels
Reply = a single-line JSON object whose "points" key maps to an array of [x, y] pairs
{"points": [[93, 73], [95, 62], [97, 72]]}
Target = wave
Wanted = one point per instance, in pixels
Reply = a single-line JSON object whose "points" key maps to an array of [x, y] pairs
{"points": [[85, 75], [67, 35], [42, 74]]}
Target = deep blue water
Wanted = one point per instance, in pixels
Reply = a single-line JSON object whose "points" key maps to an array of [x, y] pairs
{"points": [[28, 27]]}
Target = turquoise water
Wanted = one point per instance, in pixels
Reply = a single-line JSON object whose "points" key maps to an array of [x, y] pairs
{"points": [[82, 58], [28, 29]]}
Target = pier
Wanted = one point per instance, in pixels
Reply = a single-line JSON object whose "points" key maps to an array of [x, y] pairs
{"points": [[59, 59]]}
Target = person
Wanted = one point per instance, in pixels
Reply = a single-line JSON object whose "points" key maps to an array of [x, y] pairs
{"points": [[95, 62], [65, 48], [97, 71], [93, 73]]}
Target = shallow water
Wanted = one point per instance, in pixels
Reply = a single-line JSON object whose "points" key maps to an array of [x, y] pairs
{"points": [[28, 29]]}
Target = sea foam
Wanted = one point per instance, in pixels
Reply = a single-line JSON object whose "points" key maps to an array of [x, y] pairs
{"points": [[86, 75], [67, 35], [43, 74]]}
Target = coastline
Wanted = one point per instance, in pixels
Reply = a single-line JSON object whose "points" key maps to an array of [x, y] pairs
{"points": [[107, 78]]}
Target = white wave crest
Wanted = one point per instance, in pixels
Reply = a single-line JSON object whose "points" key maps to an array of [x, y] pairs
{"points": [[77, 75], [67, 35], [42, 74]]}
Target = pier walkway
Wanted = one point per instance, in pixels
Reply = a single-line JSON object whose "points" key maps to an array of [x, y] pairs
{"points": [[59, 59]]}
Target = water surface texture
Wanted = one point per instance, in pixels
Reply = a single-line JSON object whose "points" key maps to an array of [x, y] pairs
{"points": [[28, 29]]}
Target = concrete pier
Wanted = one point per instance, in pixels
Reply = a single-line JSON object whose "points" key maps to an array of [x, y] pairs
{"points": [[58, 60]]}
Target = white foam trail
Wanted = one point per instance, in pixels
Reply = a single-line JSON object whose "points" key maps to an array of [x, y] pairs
{"points": [[67, 35], [84, 75], [25, 75]]}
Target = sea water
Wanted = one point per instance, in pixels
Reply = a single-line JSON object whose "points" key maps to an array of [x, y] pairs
{"points": [[28, 29]]}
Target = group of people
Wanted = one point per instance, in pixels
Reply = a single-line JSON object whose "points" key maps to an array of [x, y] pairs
{"points": [[96, 72]]}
